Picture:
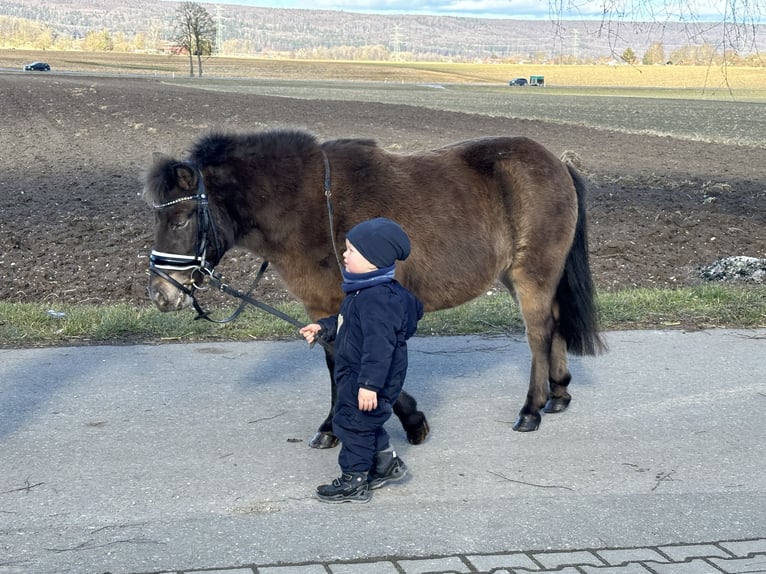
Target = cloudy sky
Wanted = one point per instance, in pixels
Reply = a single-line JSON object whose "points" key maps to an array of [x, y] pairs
{"points": [[632, 10]]}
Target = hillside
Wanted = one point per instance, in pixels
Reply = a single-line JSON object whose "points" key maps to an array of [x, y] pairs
{"points": [[333, 34]]}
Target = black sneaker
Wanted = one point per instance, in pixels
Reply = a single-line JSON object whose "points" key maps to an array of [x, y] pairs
{"points": [[388, 468], [348, 487]]}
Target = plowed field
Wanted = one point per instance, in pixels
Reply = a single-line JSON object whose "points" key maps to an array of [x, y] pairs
{"points": [[73, 227]]}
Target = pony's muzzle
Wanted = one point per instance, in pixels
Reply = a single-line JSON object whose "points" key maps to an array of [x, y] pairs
{"points": [[166, 296]]}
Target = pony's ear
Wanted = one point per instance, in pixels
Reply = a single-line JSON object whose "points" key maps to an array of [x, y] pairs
{"points": [[186, 177], [158, 157]]}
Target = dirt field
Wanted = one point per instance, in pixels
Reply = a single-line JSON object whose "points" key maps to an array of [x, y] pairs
{"points": [[73, 228]]}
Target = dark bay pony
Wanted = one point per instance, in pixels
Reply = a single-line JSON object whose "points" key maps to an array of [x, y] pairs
{"points": [[476, 211]]}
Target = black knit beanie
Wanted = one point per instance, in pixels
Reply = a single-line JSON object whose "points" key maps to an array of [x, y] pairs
{"points": [[381, 241]]}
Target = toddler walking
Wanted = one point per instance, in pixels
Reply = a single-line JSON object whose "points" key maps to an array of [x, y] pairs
{"points": [[370, 335]]}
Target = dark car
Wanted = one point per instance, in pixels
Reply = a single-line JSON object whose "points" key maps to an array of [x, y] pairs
{"points": [[37, 67], [518, 82]]}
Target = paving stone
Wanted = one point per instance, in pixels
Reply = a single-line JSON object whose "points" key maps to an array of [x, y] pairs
{"points": [[724, 557], [557, 559], [681, 553], [623, 556], [370, 568], [745, 547], [237, 571], [304, 569], [755, 565], [448, 564], [630, 568], [692, 567], [495, 561]]}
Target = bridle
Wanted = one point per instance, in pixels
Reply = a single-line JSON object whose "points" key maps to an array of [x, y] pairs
{"points": [[159, 260], [162, 263]]}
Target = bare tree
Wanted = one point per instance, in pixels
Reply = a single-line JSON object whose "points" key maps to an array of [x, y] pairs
{"points": [[195, 33], [733, 23]]}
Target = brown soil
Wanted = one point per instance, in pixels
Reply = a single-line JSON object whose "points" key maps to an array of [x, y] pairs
{"points": [[73, 228]]}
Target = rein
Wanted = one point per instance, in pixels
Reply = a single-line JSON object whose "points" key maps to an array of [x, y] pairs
{"points": [[160, 262], [330, 211]]}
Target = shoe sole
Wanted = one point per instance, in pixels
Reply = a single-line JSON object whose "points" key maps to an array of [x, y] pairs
{"points": [[340, 500], [378, 483]]}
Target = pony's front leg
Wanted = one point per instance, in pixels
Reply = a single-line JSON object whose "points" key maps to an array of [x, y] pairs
{"points": [[413, 420], [324, 437]]}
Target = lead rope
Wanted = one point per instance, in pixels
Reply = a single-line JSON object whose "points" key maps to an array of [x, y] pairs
{"points": [[216, 281], [328, 196], [244, 298]]}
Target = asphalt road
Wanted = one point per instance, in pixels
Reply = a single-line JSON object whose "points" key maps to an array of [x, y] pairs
{"points": [[194, 456]]}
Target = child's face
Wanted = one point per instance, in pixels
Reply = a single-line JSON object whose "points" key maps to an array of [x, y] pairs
{"points": [[355, 261]]}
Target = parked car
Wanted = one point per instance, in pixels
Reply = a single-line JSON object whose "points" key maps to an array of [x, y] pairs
{"points": [[518, 82], [37, 67]]}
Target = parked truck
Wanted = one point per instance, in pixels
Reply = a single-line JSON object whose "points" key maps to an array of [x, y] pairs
{"points": [[533, 81]]}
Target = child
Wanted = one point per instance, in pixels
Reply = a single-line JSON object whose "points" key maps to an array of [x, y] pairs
{"points": [[376, 318]]}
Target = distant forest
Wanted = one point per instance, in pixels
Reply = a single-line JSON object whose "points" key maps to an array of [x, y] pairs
{"points": [[148, 26]]}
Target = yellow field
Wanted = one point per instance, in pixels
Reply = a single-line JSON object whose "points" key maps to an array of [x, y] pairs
{"points": [[596, 76], [622, 76]]}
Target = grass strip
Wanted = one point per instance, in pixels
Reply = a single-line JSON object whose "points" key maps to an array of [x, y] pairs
{"points": [[700, 307]]}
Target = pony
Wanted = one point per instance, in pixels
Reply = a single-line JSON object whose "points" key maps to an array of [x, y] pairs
{"points": [[476, 211]]}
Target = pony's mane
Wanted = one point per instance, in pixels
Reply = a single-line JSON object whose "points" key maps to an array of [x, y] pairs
{"points": [[342, 142], [219, 147]]}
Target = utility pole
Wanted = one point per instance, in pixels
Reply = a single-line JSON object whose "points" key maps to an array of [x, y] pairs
{"points": [[576, 45], [397, 42], [218, 30]]}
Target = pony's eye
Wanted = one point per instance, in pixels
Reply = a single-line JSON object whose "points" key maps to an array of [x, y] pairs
{"points": [[179, 225]]}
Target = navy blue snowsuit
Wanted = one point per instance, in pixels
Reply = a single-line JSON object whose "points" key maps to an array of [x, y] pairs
{"points": [[370, 334]]}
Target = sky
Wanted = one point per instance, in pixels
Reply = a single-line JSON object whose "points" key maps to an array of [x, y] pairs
{"points": [[629, 10]]}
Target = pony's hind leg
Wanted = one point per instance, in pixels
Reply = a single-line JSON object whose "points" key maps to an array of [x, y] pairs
{"points": [[413, 420], [535, 298]]}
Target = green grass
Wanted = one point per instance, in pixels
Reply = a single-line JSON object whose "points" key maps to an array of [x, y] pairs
{"points": [[693, 307], [701, 307]]}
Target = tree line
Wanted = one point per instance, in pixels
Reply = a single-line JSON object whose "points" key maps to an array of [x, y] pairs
{"points": [[195, 35]]}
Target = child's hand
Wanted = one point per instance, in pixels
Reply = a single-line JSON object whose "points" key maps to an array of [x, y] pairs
{"points": [[368, 400], [309, 332]]}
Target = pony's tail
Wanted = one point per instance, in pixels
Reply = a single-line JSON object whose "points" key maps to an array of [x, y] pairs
{"points": [[578, 316]]}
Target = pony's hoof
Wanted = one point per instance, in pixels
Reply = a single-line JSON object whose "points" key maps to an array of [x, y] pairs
{"points": [[417, 434], [527, 423], [324, 440], [557, 405]]}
